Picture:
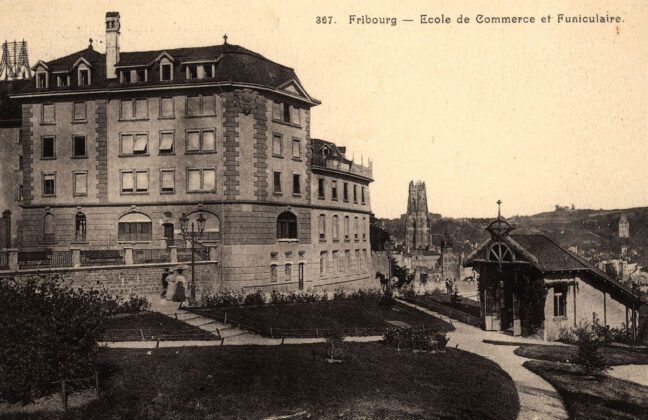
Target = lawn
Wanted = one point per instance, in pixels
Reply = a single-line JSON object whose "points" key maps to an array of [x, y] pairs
{"points": [[593, 398], [613, 355], [317, 318], [373, 381], [151, 326]]}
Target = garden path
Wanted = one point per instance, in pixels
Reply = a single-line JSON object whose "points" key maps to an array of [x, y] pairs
{"points": [[633, 373], [538, 399]]}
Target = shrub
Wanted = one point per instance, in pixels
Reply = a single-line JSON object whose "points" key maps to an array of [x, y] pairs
{"points": [[256, 298], [49, 332], [589, 338], [415, 338], [132, 305]]}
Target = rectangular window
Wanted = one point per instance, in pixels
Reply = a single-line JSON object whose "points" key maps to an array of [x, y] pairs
{"points": [[294, 115], [127, 109], [79, 111], [296, 184], [166, 108], [355, 194], [209, 70], [192, 72], [273, 273], [201, 105], [134, 232], [80, 183], [365, 261], [167, 180], [288, 271], [134, 181], [80, 149], [560, 302], [320, 189], [48, 147], [166, 142], [84, 77], [277, 111], [334, 194], [62, 81], [357, 260], [362, 194], [296, 148], [201, 141], [166, 72], [345, 192], [276, 185], [140, 75], [141, 109], [41, 80], [49, 114], [125, 76], [49, 184], [276, 145], [364, 230], [201, 180], [134, 144]]}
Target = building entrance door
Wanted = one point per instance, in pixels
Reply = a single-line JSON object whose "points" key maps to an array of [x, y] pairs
{"points": [[168, 234], [301, 276]]}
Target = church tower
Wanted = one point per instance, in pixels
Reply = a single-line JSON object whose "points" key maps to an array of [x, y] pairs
{"points": [[624, 227], [417, 222]]}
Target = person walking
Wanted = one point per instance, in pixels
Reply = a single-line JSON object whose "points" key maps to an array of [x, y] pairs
{"points": [[165, 282], [171, 286], [180, 294]]}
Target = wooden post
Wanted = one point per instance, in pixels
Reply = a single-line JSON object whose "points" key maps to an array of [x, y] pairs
{"points": [[64, 397]]}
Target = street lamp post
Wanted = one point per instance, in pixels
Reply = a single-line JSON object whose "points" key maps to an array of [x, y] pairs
{"points": [[192, 233]]}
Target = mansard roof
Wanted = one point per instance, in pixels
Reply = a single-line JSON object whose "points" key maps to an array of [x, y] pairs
{"points": [[234, 64], [334, 151]]}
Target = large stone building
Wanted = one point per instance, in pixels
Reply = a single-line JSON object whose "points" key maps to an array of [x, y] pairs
{"points": [[118, 146], [417, 222], [529, 283]]}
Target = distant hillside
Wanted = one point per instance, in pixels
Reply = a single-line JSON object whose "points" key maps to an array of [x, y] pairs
{"points": [[592, 231]]}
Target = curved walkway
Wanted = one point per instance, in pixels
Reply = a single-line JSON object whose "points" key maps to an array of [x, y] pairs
{"points": [[538, 399]]}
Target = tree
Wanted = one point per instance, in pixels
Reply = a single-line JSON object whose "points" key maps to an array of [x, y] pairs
{"points": [[378, 236], [49, 332]]}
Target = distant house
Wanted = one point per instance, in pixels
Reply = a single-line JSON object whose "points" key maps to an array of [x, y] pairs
{"points": [[530, 284]]}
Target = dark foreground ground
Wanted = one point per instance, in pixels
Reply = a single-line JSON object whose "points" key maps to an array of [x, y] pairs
{"points": [[373, 381]]}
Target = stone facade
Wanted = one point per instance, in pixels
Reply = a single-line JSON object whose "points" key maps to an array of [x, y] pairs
{"points": [[238, 153]]}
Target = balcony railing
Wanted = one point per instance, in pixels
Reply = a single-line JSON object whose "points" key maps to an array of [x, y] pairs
{"points": [[45, 259], [342, 165], [102, 257], [143, 256]]}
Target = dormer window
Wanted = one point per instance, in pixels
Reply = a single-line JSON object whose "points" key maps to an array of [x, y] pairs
{"points": [[166, 71], [192, 72], [84, 77], [41, 80], [125, 76], [286, 113], [62, 80], [142, 75], [200, 71]]}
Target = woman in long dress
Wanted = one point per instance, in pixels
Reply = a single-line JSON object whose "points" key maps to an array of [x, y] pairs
{"points": [[171, 287], [179, 294]]}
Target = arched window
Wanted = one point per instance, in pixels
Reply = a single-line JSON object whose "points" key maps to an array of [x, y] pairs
{"points": [[500, 252], [134, 227], [336, 227], [288, 271], [287, 226], [322, 226], [49, 232], [80, 227], [346, 228], [356, 228]]}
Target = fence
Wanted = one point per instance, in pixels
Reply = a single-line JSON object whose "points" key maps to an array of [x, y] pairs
{"points": [[148, 334], [68, 385], [201, 254], [102, 257], [151, 256], [46, 259]]}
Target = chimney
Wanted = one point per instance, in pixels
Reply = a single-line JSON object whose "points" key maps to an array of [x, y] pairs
{"points": [[112, 43]]}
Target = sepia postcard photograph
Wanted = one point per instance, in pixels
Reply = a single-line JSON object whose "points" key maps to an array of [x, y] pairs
{"points": [[323, 209]]}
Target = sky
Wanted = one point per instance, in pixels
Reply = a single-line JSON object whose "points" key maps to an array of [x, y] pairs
{"points": [[532, 114]]}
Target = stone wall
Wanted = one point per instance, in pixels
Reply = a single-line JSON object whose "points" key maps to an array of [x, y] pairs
{"points": [[140, 279]]}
